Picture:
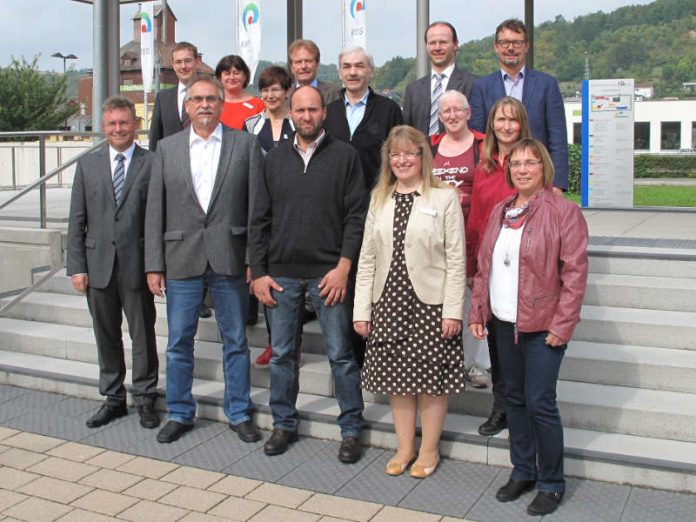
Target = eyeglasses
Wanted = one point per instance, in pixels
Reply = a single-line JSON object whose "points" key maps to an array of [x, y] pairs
{"points": [[394, 156], [514, 165], [517, 44], [454, 110], [200, 99]]}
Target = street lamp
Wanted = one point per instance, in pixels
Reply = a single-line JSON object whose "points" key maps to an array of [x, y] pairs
{"points": [[65, 59]]}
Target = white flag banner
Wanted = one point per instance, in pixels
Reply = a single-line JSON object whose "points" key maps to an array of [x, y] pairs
{"points": [[147, 45], [354, 23], [249, 33]]}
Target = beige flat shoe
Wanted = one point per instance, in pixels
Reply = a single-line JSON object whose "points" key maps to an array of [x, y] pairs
{"points": [[420, 472], [398, 468]]}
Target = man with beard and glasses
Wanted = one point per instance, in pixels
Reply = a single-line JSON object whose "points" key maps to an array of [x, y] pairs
{"points": [[305, 234], [198, 205]]}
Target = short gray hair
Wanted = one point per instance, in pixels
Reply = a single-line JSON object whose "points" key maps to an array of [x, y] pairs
{"points": [[452, 95], [350, 49], [206, 78]]}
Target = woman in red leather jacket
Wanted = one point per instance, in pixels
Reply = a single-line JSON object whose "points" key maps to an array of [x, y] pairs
{"points": [[532, 273]]}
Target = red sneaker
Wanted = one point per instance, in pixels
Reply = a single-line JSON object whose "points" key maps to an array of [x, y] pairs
{"points": [[265, 357]]}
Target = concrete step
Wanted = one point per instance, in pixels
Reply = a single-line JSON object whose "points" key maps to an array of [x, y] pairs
{"points": [[633, 459], [647, 292], [634, 326], [646, 261]]}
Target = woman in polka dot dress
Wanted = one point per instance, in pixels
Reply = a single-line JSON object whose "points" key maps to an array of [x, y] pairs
{"points": [[409, 296]]}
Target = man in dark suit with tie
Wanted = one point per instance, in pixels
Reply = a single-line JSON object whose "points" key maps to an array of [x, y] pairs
{"points": [[421, 97], [105, 261], [203, 180], [169, 115], [538, 92], [303, 61]]}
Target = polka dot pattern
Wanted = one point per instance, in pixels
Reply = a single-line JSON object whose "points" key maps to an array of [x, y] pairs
{"points": [[406, 353]]}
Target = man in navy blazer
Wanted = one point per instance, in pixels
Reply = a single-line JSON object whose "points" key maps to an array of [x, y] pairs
{"points": [[538, 92]]}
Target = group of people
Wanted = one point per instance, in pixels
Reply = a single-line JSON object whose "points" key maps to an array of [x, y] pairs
{"points": [[391, 225]]}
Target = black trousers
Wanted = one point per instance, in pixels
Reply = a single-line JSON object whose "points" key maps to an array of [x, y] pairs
{"points": [[497, 382], [106, 306]]}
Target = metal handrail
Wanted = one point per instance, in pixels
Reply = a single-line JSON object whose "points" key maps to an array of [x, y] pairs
{"points": [[48, 275]]}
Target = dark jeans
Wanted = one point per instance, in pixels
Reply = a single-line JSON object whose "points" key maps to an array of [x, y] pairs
{"points": [[530, 370], [497, 381]]}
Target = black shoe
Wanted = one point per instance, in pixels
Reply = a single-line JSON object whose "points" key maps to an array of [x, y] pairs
{"points": [[149, 418], [106, 414], [279, 441], [204, 312], [351, 450], [544, 503], [514, 489], [172, 431], [247, 431], [496, 423]]}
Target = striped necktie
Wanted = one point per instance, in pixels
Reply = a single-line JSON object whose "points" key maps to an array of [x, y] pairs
{"points": [[437, 92], [185, 120], [119, 177]]}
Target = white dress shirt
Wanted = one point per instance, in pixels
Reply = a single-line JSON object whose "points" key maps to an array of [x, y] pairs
{"points": [[181, 97], [446, 75], [205, 157], [128, 153]]}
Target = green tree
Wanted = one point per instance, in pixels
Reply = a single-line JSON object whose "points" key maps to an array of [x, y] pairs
{"points": [[32, 100]]}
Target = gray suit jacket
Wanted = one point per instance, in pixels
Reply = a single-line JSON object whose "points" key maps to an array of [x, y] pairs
{"points": [[329, 91], [181, 239], [417, 97], [98, 230]]}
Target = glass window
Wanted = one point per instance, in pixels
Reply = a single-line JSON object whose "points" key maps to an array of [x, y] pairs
{"points": [[641, 135], [671, 135]]}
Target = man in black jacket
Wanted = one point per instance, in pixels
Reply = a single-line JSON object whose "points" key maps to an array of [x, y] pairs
{"points": [[305, 234], [361, 117]]}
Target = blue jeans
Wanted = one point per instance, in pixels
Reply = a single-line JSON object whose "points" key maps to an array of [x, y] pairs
{"points": [[230, 297], [530, 370], [336, 326]]}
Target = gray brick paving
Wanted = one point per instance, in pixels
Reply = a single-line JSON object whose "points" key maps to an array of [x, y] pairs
{"points": [[460, 489]]}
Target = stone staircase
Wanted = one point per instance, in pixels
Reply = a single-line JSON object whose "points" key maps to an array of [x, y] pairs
{"points": [[627, 391]]}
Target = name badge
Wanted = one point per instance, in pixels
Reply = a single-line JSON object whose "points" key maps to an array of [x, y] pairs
{"points": [[248, 105], [429, 211]]}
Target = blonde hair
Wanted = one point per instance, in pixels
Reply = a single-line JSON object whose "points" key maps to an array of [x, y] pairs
{"points": [[402, 135], [489, 148], [539, 151]]}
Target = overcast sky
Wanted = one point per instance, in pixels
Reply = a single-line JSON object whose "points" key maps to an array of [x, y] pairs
{"points": [[31, 27]]}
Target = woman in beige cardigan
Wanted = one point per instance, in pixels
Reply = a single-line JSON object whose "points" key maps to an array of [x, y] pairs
{"points": [[409, 295]]}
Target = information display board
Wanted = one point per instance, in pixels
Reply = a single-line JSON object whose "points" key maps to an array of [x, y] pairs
{"points": [[607, 143]]}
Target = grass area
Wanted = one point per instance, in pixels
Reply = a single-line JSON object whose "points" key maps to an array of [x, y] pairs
{"points": [[657, 196]]}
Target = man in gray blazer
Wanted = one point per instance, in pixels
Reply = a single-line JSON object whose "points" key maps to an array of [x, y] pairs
{"points": [[421, 97], [303, 60], [203, 179], [105, 261]]}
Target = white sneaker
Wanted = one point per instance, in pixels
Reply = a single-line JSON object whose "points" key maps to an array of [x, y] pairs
{"points": [[477, 377]]}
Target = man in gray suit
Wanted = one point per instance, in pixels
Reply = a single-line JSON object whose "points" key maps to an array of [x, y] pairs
{"points": [[203, 179], [303, 60], [422, 96], [105, 261]]}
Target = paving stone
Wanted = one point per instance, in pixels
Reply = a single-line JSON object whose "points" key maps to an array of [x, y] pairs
{"points": [[63, 469], [203, 431], [105, 502], [8, 414], [59, 426], [75, 407], [110, 459], [7, 432], [333, 519], [118, 434], [343, 507], [452, 490], [80, 515], [14, 479], [488, 509], [145, 467], [38, 510], [150, 489], [279, 495], [20, 459], [10, 498], [325, 473], [596, 501], [32, 442], [75, 451], [35, 399], [235, 486], [196, 478], [202, 517], [193, 499], [395, 514], [152, 512], [54, 489], [8, 392], [276, 513], [111, 480], [645, 505], [218, 453], [237, 508], [259, 466], [374, 485]]}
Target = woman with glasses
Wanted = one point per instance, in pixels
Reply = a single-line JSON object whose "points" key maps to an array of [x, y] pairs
{"points": [[529, 289], [409, 294], [506, 124], [234, 74]]}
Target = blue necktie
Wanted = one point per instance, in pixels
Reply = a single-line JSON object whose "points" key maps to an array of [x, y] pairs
{"points": [[119, 177]]}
